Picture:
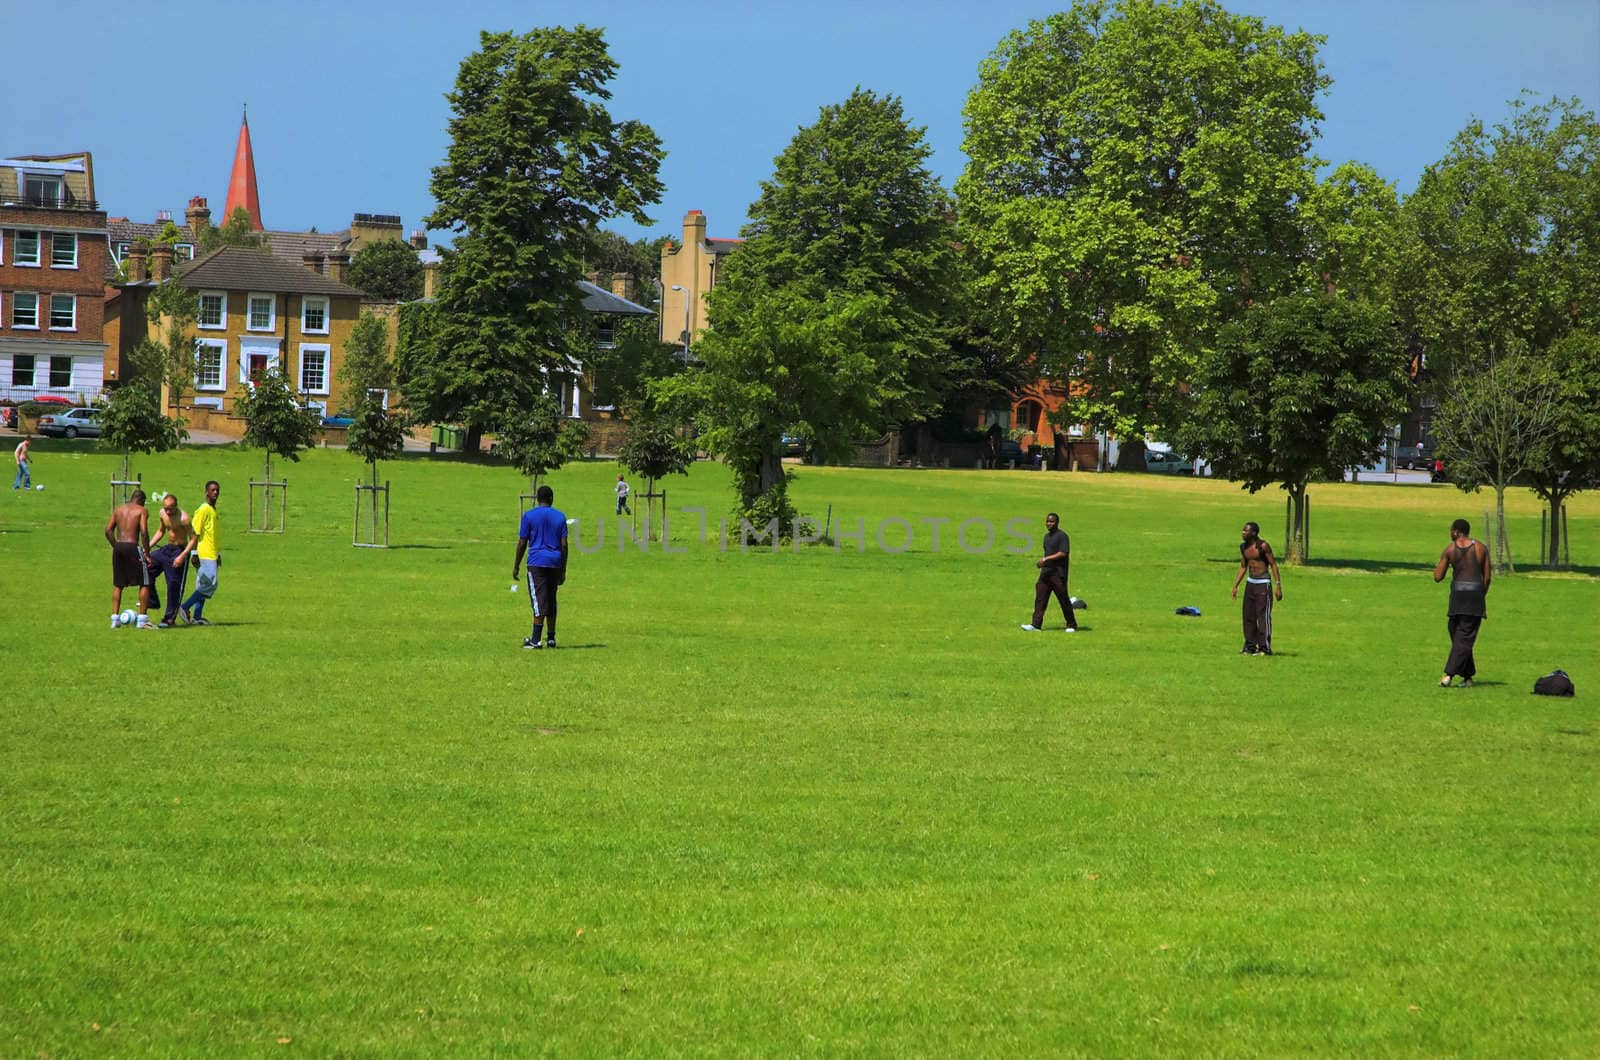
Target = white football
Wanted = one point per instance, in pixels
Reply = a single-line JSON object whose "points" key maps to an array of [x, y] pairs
{"points": [[40, 486], [128, 617]]}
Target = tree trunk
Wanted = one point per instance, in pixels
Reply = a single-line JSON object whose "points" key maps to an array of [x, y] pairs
{"points": [[1502, 540], [1130, 455], [1295, 547], [373, 467], [1553, 557], [474, 439]]}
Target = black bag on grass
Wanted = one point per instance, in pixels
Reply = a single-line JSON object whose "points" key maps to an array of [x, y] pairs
{"points": [[1555, 683]]}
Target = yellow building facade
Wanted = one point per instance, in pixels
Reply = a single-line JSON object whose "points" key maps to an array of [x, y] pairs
{"points": [[689, 269]]}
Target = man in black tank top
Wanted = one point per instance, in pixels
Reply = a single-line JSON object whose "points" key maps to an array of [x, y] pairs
{"points": [[1468, 563]]}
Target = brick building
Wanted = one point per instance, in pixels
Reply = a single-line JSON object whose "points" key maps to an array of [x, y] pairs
{"points": [[52, 278]]}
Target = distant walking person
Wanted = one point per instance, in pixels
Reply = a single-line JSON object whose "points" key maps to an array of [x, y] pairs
{"points": [[172, 558], [1258, 568], [207, 554], [23, 480], [1468, 563], [1053, 570], [622, 497], [128, 534], [543, 536]]}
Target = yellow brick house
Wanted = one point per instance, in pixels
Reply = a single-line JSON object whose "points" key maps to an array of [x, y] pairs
{"points": [[257, 311]]}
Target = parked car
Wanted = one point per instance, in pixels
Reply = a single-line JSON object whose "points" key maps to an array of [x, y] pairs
{"points": [[1167, 463], [8, 416], [1413, 458], [794, 445], [50, 399], [1011, 453], [71, 423], [341, 420]]}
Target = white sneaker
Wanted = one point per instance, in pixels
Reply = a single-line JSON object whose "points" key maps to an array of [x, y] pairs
{"points": [[1030, 628]]}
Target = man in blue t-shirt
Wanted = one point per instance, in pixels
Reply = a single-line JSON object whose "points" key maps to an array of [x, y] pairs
{"points": [[543, 536]]}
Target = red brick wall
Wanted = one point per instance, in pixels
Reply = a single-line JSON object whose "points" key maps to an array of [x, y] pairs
{"points": [[87, 281]]}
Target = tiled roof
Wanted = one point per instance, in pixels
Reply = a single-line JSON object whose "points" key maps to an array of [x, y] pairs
{"points": [[599, 300], [292, 245], [242, 269]]}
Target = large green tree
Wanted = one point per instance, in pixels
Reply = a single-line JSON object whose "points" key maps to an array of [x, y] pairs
{"points": [[366, 366], [1503, 238], [831, 320], [236, 230], [1297, 389], [1133, 181], [387, 269], [1501, 266], [535, 164], [1571, 463]]}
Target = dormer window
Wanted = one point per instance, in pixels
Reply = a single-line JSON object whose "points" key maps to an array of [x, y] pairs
{"points": [[41, 190]]}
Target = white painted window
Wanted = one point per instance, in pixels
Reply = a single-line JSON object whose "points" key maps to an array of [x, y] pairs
{"points": [[64, 250], [263, 314], [314, 315], [22, 370], [213, 310], [211, 365], [314, 363], [63, 312], [25, 310], [25, 249], [182, 252], [119, 250]]}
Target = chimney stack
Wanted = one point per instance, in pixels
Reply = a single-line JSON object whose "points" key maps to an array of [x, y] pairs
{"points": [[198, 217], [430, 280], [694, 228], [313, 261], [622, 285], [419, 240], [138, 265], [160, 262], [339, 267]]}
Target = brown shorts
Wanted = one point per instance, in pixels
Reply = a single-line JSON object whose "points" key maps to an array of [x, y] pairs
{"points": [[128, 567]]}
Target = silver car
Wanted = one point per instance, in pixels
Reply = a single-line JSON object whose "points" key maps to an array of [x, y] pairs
{"points": [[71, 423]]}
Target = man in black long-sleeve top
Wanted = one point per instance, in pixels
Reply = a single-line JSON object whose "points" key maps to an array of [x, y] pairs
{"points": [[1053, 568]]}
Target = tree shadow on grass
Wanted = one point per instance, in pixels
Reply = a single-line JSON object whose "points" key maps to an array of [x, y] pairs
{"points": [[578, 647], [430, 548]]}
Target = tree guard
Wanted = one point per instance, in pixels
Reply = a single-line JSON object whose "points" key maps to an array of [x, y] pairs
{"points": [[371, 529]]}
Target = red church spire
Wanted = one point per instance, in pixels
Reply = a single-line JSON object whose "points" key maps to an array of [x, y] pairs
{"points": [[242, 185]]}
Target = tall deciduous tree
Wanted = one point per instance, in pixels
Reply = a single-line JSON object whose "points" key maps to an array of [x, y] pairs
{"points": [[830, 321], [535, 164], [1132, 186], [655, 449], [1572, 461], [1503, 238], [1299, 388], [387, 269]]}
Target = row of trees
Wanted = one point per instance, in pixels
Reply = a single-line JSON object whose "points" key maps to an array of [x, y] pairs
{"points": [[1142, 215]]}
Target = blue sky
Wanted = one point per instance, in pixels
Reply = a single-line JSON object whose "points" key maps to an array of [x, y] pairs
{"points": [[347, 107]]}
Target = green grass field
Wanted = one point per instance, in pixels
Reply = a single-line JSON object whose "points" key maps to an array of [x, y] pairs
{"points": [[815, 803]]}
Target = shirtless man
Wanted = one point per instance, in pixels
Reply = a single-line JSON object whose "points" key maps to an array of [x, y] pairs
{"points": [[1258, 568], [172, 558], [128, 534], [1467, 563]]}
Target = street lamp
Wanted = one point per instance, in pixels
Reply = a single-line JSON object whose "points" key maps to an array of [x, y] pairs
{"points": [[677, 287]]}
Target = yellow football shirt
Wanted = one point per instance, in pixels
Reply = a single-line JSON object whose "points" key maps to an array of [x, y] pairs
{"points": [[205, 531]]}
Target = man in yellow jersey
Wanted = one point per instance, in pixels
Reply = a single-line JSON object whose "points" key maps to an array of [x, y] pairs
{"points": [[206, 555]]}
